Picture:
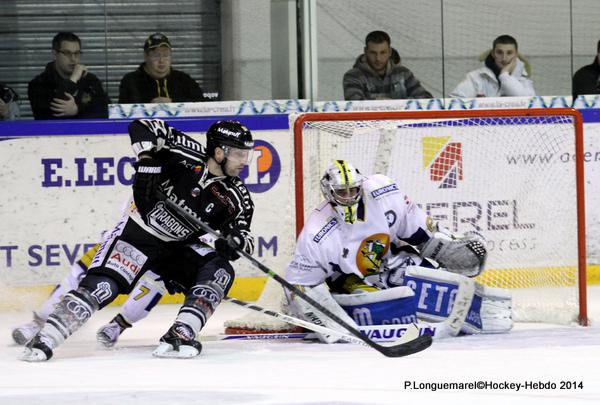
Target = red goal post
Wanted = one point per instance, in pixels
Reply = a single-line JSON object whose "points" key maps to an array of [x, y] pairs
{"points": [[526, 148]]}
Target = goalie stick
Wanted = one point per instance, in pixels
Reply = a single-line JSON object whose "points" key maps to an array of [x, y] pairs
{"points": [[399, 350], [409, 331]]}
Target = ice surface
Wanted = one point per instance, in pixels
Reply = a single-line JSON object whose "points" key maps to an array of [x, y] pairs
{"points": [[293, 373]]}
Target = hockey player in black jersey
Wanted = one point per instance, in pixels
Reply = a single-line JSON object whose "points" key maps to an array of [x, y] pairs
{"points": [[203, 182]]}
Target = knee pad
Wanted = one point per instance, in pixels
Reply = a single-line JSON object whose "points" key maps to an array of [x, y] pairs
{"points": [[217, 271], [102, 288]]}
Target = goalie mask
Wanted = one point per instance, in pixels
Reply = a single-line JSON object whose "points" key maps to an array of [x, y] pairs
{"points": [[341, 185]]}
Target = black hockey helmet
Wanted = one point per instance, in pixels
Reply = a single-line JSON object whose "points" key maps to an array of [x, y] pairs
{"points": [[228, 133]]}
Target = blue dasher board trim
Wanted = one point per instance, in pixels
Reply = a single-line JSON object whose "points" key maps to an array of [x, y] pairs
{"points": [[12, 129]]}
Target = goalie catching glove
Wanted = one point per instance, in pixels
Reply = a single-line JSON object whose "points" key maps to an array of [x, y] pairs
{"points": [[461, 254]]}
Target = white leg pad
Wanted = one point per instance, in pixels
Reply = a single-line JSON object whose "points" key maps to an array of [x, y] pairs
{"points": [[307, 312], [475, 308], [496, 310]]}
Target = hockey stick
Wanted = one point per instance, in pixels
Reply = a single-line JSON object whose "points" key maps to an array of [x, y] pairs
{"points": [[461, 306], [291, 336], [399, 350], [408, 333]]}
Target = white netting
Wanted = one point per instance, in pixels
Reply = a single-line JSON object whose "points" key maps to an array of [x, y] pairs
{"points": [[512, 178]]}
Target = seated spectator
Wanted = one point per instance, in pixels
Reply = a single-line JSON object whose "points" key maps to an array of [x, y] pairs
{"points": [[155, 81], [587, 79], [378, 74], [9, 107], [503, 74], [65, 89]]}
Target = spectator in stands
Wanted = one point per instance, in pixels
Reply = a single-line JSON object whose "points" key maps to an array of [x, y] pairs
{"points": [[9, 107], [378, 73], [65, 89], [503, 74], [155, 81], [587, 79]]}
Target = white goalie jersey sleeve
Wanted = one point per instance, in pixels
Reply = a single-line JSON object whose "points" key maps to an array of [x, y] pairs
{"points": [[328, 244]]}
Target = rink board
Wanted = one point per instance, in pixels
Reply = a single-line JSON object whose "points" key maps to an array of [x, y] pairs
{"points": [[65, 190], [65, 182]]}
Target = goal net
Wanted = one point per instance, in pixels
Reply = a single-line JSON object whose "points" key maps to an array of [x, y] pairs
{"points": [[515, 176]]}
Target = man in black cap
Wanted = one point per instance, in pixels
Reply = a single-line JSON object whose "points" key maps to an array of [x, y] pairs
{"points": [[155, 81]]}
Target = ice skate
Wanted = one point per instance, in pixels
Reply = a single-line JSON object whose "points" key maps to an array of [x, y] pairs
{"points": [[38, 349], [178, 342], [108, 335]]}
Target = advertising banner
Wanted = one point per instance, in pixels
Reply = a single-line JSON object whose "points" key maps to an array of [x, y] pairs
{"points": [[62, 188], [61, 193]]}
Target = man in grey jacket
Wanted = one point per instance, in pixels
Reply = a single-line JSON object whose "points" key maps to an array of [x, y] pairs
{"points": [[503, 74], [377, 74]]}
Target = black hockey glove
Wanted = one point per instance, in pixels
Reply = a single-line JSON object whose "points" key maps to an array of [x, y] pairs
{"points": [[226, 247], [145, 185], [174, 287]]}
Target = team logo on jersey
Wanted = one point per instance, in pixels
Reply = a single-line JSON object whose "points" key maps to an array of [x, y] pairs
{"points": [[164, 222], [371, 252], [443, 159], [263, 172]]}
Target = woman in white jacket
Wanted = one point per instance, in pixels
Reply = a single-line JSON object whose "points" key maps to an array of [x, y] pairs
{"points": [[503, 74]]}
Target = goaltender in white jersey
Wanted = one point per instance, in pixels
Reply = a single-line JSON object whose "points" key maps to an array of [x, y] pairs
{"points": [[371, 246], [355, 239]]}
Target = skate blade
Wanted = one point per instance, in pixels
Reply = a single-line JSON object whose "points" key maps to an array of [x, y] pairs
{"points": [[33, 355], [166, 351]]}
